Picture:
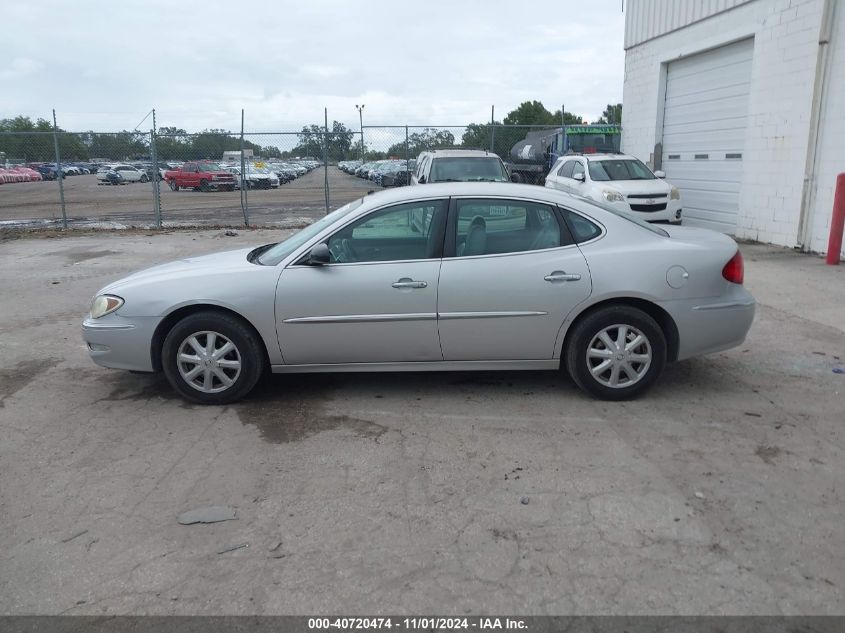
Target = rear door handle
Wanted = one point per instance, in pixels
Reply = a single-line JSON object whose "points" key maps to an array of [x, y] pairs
{"points": [[559, 275], [405, 282]]}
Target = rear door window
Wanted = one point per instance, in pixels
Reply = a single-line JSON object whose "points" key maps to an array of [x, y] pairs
{"points": [[494, 226]]}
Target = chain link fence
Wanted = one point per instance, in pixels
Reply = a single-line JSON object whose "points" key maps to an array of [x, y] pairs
{"points": [[168, 178]]}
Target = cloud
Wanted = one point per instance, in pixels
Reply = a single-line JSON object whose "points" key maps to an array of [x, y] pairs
{"points": [[105, 65], [19, 68]]}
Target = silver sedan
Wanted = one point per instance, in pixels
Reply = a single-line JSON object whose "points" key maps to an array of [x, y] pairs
{"points": [[452, 276]]}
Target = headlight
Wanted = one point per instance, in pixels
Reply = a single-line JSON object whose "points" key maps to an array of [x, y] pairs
{"points": [[674, 194], [613, 196], [104, 304]]}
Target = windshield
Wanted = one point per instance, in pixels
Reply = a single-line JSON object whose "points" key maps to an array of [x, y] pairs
{"points": [[281, 250], [620, 169], [625, 215], [593, 143], [468, 169]]}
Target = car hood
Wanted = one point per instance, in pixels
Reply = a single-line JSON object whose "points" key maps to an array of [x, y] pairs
{"points": [[188, 267], [628, 187]]}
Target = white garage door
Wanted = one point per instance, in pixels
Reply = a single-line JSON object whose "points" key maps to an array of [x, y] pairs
{"points": [[704, 130]]}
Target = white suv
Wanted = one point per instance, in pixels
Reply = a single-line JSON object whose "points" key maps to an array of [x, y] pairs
{"points": [[620, 181], [464, 165]]}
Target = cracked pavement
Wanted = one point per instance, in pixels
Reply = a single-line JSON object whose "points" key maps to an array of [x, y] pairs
{"points": [[720, 492]]}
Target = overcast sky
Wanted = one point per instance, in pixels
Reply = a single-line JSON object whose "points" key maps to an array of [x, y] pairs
{"points": [[104, 64]]}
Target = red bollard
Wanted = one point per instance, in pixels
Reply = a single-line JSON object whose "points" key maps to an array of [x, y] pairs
{"points": [[837, 222]]}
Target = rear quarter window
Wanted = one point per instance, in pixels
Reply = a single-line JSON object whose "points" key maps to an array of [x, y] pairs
{"points": [[583, 230]]}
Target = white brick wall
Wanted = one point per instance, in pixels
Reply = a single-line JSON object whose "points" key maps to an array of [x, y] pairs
{"points": [[831, 157], [783, 71]]}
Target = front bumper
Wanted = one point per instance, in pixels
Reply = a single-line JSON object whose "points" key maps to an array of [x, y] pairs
{"points": [[120, 342], [671, 213]]}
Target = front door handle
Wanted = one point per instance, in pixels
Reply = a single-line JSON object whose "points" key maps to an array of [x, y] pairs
{"points": [[405, 282], [559, 275]]}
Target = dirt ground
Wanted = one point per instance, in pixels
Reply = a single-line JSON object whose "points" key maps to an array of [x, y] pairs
{"points": [[34, 203], [720, 492]]}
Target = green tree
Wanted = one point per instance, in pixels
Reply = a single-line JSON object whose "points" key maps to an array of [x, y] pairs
{"points": [[429, 138], [338, 141], [17, 144], [171, 143], [535, 113], [612, 114]]}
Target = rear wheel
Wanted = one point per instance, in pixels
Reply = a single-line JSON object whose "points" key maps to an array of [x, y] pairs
{"points": [[212, 358], [144, 178], [616, 353]]}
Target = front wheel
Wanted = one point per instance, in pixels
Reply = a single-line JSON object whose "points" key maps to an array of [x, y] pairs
{"points": [[174, 186], [212, 358], [616, 353], [144, 179], [204, 185]]}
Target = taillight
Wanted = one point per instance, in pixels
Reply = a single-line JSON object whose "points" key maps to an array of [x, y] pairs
{"points": [[734, 270]]}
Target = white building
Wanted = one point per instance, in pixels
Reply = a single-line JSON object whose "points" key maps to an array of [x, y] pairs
{"points": [[742, 104]]}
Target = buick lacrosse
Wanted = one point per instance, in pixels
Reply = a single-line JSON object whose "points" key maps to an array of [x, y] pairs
{"points": [[451, 276]]}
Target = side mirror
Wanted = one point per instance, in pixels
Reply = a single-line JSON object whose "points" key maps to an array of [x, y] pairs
{"points": [[421, 180], [579, 177], [319, 255], [660, 173]]}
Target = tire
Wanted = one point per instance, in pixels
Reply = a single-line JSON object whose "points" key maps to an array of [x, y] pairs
{"points": [[144, 178], [517, 177], [230, 188], [203, 185], [244, 363], [174, 186], [634, 374]]}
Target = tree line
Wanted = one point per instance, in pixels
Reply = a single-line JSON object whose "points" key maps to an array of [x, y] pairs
{"points": [[17, 140]]}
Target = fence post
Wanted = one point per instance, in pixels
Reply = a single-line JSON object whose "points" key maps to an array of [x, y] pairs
{"points": [[59, 173], [326, 158], [407, 156], [244, 195], [493, 129], [156, 174]]}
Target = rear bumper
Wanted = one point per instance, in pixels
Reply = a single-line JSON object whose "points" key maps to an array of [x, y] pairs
{"points": [[714, 325]]}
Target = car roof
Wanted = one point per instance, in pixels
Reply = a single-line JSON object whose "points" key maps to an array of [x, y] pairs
{"points": [[449, 153], [464, 189]]}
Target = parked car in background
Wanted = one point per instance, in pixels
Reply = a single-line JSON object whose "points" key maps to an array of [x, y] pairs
{"points": [[47, 172], [253, 177], [457, 276], [349, 166], [19, 173], [201, 176], [618, 180], [454, 165], [284, 172], [127, 174]]}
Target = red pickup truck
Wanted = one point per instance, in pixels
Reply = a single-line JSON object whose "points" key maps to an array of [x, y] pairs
{"points": [[199, 175]]}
